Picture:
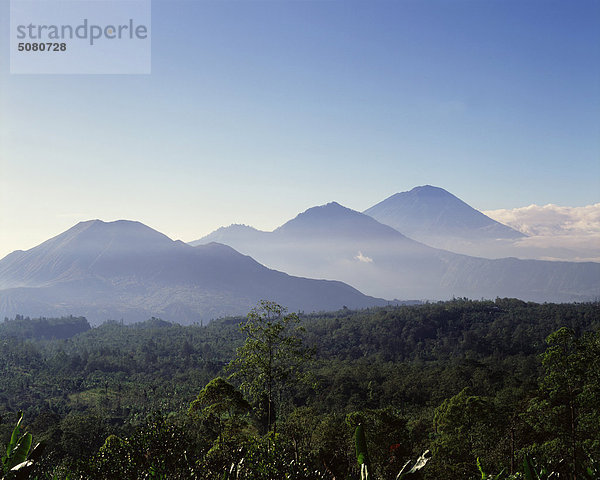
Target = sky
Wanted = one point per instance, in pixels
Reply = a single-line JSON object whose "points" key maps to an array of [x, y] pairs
{"points": [[554, 232], [257, 110]]}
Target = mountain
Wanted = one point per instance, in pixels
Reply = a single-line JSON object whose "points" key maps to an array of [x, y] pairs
{"points": [[331, 220], [437, 218], [127, 270], [334, 242], [242, 233], [334, 220], [432, 211]]}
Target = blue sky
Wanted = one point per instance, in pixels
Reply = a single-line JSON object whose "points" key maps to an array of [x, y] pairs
{"points": [[257, 110]]}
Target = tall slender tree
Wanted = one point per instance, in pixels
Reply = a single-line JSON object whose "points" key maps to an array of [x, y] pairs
{"points": [[566, 410], [270, 358]]}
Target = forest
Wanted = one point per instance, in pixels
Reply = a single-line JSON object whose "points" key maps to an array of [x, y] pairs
{"points": [[464, 389]]}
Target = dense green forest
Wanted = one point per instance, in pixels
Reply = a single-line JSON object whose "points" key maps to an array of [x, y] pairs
{"points": [[483, 385]]}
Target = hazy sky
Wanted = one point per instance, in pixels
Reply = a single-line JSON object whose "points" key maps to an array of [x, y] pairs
{"points": [[257, 110]]}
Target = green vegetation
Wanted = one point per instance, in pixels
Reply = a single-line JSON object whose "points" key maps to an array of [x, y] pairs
{"points": [[487, 389], [43, 328], [271, 358]]}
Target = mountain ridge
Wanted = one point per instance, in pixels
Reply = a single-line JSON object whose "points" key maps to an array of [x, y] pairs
{"points": [[126, 269], [334, 219], [332, 241]]}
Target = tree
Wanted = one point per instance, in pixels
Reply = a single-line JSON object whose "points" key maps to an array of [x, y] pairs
{"points": [[219, 399], [464, 429], [270, 358], [158, 449], [387, 438], [566, 411], [331, 444]]}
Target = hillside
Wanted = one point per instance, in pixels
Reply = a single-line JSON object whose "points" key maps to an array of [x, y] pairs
{"points": [[126, 270], [428, 211], [335, 242], [466, 373]]}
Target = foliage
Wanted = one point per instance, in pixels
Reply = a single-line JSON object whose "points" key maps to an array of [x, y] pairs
{"points": [[462, 426], [362, 453], [466, 379], [567, 408], [222, 412], [387, 443], [409, 470], [219, 398], [157, 450], [267, 459], [19, 458], [43, 328], [270, 358]]}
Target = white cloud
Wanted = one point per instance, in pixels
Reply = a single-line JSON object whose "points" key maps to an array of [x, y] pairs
{"points": [[555, 232], [363, 258], [551, 220]]}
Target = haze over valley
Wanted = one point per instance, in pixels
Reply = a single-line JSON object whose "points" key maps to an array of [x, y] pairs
{"points": [[332, 241], [410, 247], [125, 270]]}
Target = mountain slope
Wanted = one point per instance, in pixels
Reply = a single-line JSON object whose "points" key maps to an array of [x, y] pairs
{"points": [[334, 220], [127, 270], [436, 217], [334, 242], [331, 241], [432, 211], [242, 233]]}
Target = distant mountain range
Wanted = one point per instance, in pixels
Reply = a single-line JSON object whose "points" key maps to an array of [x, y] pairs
{"points": [[126, 270], [334, 242], [433, 216]]}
